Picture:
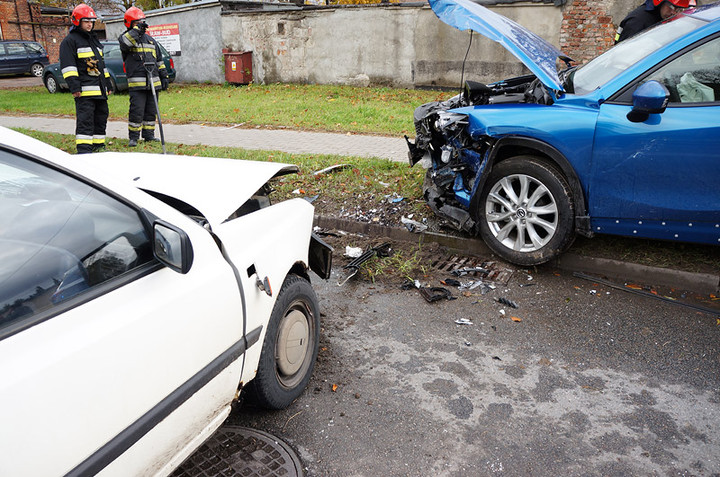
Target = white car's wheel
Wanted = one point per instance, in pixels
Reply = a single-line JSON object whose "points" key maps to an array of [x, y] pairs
{"points": [[290, 347], [526, 211]]}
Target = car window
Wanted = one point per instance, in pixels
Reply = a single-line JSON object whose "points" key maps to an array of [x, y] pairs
{"points": [[59, 238], [34, 48], [626, 53], [16, 49], [693, 77], [112, 52]]}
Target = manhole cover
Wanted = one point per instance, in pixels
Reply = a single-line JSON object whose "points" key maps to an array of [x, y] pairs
{"points": [[240, 451]]}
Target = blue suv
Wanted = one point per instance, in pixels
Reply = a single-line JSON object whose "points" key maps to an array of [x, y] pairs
{"points": [[627, 144]]}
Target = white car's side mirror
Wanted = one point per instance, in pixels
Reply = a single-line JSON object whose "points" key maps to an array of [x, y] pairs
{"points": [[172, 247]]}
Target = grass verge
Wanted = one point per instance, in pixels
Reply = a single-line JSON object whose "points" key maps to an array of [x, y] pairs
{"points": [[383, 111]]}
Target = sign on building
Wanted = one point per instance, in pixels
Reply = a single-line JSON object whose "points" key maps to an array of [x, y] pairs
{"points": [[168, 35]]}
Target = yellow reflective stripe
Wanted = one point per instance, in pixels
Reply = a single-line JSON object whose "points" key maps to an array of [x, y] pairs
{"points": [[83, 141], [134, 128], [86, 55], [68, 74], [107, 74], [91, 93], [161, 66], [134, 85], [98, 140]]}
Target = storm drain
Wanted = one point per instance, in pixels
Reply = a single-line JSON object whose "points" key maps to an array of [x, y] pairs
{"points": [[240, 451], [470, 267]]}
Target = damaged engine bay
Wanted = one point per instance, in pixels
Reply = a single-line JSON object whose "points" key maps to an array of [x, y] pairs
{"points": [[456, 162]]}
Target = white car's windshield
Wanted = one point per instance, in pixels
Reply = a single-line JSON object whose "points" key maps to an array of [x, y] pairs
{"points": [[625, 54]]}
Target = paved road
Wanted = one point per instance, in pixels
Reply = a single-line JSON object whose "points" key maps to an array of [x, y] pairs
{"points": [[592, 382]]}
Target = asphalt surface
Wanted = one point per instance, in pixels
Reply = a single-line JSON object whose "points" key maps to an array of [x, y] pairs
{"points": [[592, 381]]}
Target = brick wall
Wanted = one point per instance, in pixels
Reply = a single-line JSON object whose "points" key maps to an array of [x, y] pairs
{"points": [[22, 20], [587, 29]]}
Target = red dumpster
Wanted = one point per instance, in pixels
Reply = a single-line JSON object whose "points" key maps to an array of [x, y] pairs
{"points": [[238, 66]]}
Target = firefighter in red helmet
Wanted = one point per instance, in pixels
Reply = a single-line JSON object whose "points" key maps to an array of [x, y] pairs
{"points": [[647, 15], [83, 68], [141, 55]]}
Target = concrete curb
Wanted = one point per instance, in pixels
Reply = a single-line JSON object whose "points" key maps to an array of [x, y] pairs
{"points": [[703, 283]]}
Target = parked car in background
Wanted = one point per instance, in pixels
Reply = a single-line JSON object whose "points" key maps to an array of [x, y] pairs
{"points": [[54, 81], [627, 144], [20, 57], [138, 293]]}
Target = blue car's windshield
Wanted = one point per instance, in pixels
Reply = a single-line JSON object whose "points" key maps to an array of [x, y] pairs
{"points": [[625, 54]]}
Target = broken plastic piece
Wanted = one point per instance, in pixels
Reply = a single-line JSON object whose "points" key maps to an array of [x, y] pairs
{"points": [[451, 282], [463, 321], [433, 294], [464, 271], [413, 225], [353, 252], [353, 267], [334, 168], [507, 302]]}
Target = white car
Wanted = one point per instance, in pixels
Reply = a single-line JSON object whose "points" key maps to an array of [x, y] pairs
{"points": [[138, 293]]}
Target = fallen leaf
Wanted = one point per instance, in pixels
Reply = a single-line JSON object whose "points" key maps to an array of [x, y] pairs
{"points": [[633, 286], [334, 387], [718, 321], [516, 319]]}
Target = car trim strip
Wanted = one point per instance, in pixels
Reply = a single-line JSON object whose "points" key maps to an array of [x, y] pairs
{"points": [[138, 429]]}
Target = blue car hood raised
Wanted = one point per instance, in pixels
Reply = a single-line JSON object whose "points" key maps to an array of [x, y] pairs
{"points": [[535, 53]]}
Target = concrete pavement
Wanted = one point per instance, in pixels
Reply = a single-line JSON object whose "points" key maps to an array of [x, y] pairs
{"points": [[298, 142]]}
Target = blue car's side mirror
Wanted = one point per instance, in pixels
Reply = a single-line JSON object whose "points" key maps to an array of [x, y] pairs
{"points": [[649, 98]]}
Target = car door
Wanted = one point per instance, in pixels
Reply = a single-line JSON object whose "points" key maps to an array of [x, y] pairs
{"points": [[662, 173], [110, 362], [16, 58]]}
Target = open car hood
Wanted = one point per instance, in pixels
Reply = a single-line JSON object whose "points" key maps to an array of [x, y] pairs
{"points": [[215, 187], [537, 54]]}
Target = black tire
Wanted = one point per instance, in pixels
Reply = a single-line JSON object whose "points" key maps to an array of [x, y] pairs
{"points": [[526, 212], [113, 85], [51, 84], [37, 70], [285, 369]]}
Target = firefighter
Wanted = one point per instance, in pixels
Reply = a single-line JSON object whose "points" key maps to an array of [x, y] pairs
{"points": [[647, 15], [83, 67], [141, 55]]}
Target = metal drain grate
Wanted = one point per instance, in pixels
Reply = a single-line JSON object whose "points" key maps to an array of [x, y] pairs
{"points": [[241, 451], [493, 271]]}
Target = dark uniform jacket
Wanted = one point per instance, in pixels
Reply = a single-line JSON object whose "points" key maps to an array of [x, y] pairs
{"points": [[139, 48], [636, 21], [82, 64]]}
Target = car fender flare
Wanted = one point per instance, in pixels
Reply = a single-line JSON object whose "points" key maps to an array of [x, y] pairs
{"points": [[582, 220]]}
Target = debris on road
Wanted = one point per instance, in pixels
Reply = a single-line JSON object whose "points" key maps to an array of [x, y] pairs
{"points": [[507, 302], [353, 267], [433, 294], [413, 225], [335, 168], [353, 252], [463, 321]]}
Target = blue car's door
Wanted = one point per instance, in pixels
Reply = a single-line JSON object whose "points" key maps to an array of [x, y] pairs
{"points": [[660, 178]]}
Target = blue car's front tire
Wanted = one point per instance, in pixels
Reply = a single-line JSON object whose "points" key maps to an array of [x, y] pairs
{"points": [[526, 211]]}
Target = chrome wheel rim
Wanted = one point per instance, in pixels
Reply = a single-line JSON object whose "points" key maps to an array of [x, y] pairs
{"points": [[521, 213], [51, 84]]}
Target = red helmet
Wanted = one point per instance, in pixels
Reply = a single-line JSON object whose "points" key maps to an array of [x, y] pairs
{"points": [[82, 12], [677, 3], [133, 14]]}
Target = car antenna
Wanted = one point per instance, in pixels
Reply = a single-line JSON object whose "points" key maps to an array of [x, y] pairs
{"points": [[462, 73]]}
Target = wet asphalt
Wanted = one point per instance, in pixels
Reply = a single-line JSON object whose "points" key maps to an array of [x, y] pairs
{"points": [[592, 381]]}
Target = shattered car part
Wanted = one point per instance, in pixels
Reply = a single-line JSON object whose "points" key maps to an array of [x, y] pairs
{"points": [[336, 167], [413, 225], [507, 302], [353, 267], [433, 294], [528, 163]]}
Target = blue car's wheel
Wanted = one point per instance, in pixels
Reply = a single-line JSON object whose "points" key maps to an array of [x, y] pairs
{"points": [[526, 211]]}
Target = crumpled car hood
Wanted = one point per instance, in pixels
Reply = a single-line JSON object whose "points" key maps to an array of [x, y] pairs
{"points": [[215, 187], [534, 52]]}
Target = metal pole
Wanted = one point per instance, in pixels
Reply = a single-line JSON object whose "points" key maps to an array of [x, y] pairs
{"points": [[148, 69]]}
